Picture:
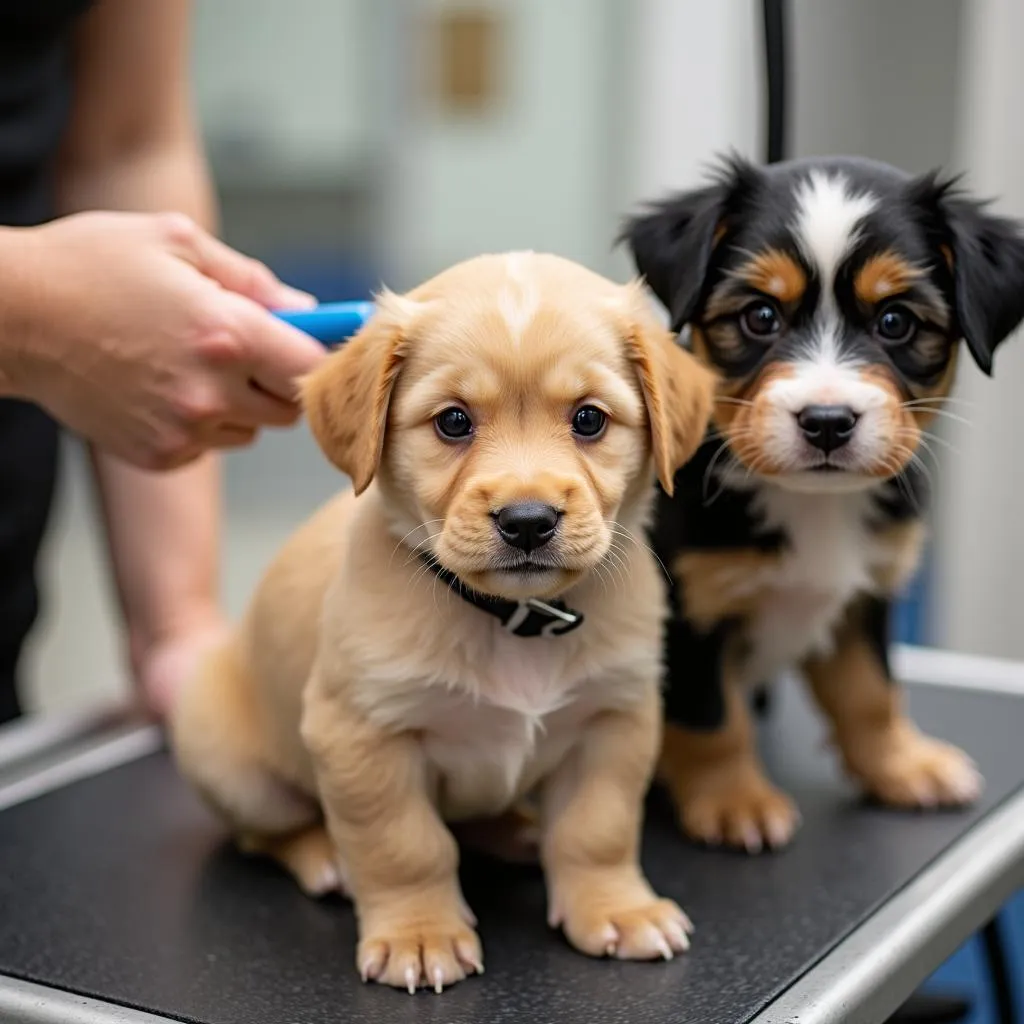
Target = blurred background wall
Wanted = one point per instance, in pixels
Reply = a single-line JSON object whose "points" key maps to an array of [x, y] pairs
{"points": [[355, 141]]}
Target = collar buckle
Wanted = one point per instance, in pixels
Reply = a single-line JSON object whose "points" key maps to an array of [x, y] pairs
{"points": [[534, 617]]}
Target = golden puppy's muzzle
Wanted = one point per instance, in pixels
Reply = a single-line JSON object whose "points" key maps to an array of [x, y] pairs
{"points": [[518, 538]]}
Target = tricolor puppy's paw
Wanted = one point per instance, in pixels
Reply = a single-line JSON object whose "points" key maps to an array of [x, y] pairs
{"points": [[916, 771], [736, 806]]}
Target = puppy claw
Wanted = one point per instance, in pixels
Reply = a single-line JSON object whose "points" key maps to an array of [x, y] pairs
{"points": [[751, 839], [650, 929], [469, 957], [661, 943], [677, 936], [778, 831], [554, 914], [329, 880], [372, 961], [414, 957]]}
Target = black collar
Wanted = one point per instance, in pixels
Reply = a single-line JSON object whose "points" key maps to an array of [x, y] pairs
{"points": [[531, 617]]}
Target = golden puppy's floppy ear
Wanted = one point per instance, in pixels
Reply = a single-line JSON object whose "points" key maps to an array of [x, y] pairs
{"points": [[346, 399], [678, 390]]}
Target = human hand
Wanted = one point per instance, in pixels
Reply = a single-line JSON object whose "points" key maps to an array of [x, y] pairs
{"points": [[147, 335]]}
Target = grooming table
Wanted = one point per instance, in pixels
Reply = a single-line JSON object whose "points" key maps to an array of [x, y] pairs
{"points": [[121, 901]]}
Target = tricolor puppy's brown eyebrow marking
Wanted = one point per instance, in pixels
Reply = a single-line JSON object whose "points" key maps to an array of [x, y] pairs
{"points": [[883, 275], [775, 273]]}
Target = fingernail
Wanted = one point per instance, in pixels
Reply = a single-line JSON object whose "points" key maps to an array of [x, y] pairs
{"points": [[293, 298]]}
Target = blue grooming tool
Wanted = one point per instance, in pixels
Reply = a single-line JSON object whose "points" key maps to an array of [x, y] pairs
{"points": [[331, 323]]}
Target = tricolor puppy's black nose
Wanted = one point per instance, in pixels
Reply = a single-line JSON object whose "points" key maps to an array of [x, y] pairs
{"points": [[827, 427], [527, 525]]}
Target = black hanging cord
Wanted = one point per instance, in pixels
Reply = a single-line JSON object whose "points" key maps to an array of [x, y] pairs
{"points": [[776, 77], [999, 972]]}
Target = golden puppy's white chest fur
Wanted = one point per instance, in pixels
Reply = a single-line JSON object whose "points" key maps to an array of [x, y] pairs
{"points": [[489, 750], [501, 712]]}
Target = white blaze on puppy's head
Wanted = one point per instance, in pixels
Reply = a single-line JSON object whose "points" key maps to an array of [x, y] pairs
{"points": [[828, 218]]}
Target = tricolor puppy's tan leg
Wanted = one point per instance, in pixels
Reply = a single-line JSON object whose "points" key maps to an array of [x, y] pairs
{"points": [[718, 785], [400, 860], [880, 746], [591, 820]]}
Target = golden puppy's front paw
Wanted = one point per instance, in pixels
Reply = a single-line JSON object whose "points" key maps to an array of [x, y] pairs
{"points": [[615, 913], [911, 770], [420, 955], [651, 929], [736, 806]]}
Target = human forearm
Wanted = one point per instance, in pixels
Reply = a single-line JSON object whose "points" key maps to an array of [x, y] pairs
{"points": [[133, 141], [151, 176], [164, 538], [12, 274], [162, 528]]}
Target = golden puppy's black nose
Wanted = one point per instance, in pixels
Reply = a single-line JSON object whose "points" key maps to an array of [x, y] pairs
{"points": [[527, 525], [827, 427]]}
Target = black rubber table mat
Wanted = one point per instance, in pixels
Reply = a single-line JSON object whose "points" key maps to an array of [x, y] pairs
{"points": [[122, 887]]}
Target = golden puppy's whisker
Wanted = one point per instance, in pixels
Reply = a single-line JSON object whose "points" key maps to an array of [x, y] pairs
{"points": [[617, 563], [422, 526], [619, 530], [599, 572], [415, 553]]}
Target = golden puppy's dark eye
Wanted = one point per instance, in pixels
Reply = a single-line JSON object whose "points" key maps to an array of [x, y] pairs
{"points": [[589, 421], [896, 324], [760, 321], [453, 424]]}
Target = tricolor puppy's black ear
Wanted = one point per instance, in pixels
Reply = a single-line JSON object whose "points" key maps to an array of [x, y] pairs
{"points": [[986, 254], [672, 242]]}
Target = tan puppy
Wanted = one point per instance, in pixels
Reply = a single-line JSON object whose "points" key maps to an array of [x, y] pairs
{"points": [[506, 418]]}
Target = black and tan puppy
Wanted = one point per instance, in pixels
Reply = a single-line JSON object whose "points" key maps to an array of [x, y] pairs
{"points": [[831, 296]]}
